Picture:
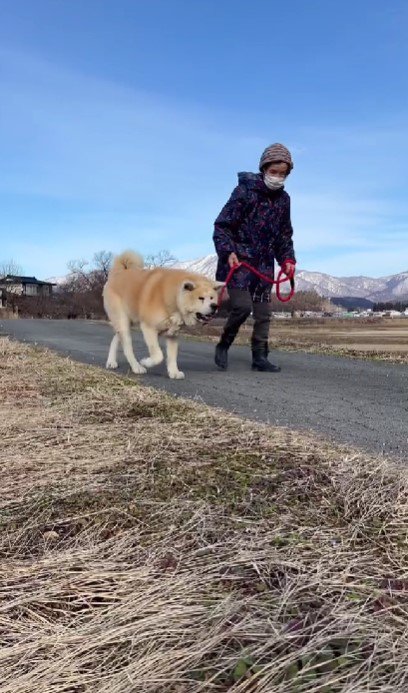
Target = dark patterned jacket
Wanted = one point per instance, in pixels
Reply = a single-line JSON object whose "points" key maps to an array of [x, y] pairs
{"points": [[255, 224]]}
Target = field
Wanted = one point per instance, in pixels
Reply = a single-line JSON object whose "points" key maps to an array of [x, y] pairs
{"points": [[155, 545], [382, 338]]}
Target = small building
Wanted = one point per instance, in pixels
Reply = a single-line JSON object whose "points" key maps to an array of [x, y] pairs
{"points": [[25, 286], [392, 314]]}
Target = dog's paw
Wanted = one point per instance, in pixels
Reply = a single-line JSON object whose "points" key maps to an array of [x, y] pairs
{"points": [[176, 375], [112, 364], [138, 369], [149, 362]]}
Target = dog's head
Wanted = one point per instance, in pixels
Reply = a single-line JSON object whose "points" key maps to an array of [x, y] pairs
{"points": [[198, 299]]}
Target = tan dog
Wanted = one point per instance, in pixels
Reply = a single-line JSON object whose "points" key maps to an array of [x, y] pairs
{"points": [[161, 301]]}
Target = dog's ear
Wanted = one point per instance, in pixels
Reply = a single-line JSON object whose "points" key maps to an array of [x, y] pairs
{"points": [[218, 286], [188, 286]]}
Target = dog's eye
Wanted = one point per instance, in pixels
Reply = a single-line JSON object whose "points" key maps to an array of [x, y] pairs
{"points": [[201, 298]]}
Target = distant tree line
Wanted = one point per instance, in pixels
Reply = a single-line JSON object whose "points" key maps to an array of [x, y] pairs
{"points": [[9, 267], [391, 305]]}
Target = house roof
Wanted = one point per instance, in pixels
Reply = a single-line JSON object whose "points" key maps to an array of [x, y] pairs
{"points": [[17, 279]]}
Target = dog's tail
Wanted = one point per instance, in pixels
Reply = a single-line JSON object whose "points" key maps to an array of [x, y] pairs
{"points": [[127, 260]]}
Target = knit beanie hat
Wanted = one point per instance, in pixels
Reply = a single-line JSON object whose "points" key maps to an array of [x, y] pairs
{"points": [[274, 153]]}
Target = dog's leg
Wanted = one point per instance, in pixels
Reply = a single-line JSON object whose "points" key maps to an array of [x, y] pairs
{"points": [[126, 339], [172, 351], [152, 343], [121, 324], [113, 352]]}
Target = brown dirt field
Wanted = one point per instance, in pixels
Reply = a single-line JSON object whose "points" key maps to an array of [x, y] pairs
{"points": [[383, 339]]}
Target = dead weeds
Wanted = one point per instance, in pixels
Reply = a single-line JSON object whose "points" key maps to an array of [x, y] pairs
{"points": [[159, 546]]}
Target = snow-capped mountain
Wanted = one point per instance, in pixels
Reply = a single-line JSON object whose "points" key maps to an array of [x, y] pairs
{"points": [[59, 281], [391, 288], [205, 265]]}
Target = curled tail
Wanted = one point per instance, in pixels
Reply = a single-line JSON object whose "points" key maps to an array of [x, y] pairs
{"points": [[127, 260]]}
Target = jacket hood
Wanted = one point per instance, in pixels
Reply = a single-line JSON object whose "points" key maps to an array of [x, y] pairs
{"points": [[254, 181]]}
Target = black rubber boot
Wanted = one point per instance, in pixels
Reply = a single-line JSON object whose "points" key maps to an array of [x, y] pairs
{"points": [[241, 308], [221, 356], [260, 359], [221, 350]]}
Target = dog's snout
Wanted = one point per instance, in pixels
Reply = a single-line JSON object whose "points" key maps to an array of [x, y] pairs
{"points": [[214, 307]]}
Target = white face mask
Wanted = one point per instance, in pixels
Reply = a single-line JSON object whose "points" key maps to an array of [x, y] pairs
{"points": [[273, 182]]}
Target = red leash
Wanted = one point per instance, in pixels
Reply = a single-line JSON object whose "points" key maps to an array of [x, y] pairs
{"points": [[280, 280]]}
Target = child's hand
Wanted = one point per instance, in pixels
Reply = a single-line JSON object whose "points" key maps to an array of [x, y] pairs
{"points": [[233, 260]]}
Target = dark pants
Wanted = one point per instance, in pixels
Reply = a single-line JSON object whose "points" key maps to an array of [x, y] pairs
{"points": [[241, 307]]}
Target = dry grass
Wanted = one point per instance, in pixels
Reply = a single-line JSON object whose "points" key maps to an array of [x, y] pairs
{"points": [[157, 546], [379, 339], [6, 314]]}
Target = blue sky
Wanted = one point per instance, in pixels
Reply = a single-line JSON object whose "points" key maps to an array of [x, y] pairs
{"points": [[123, 124]]}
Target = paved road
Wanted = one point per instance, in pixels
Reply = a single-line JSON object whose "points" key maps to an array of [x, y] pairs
{"points": [[351, 401]]}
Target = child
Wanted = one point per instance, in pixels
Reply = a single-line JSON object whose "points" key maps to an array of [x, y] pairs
{"points": [[255, 226]]}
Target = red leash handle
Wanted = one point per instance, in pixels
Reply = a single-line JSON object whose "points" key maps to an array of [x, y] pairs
{"points": [[281, 279]]}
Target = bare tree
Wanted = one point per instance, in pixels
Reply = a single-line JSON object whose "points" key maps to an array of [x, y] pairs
{"points": [[86, 275], [79, 276], [163, 258], [83, 289], [9, 267], [102, 262]]}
